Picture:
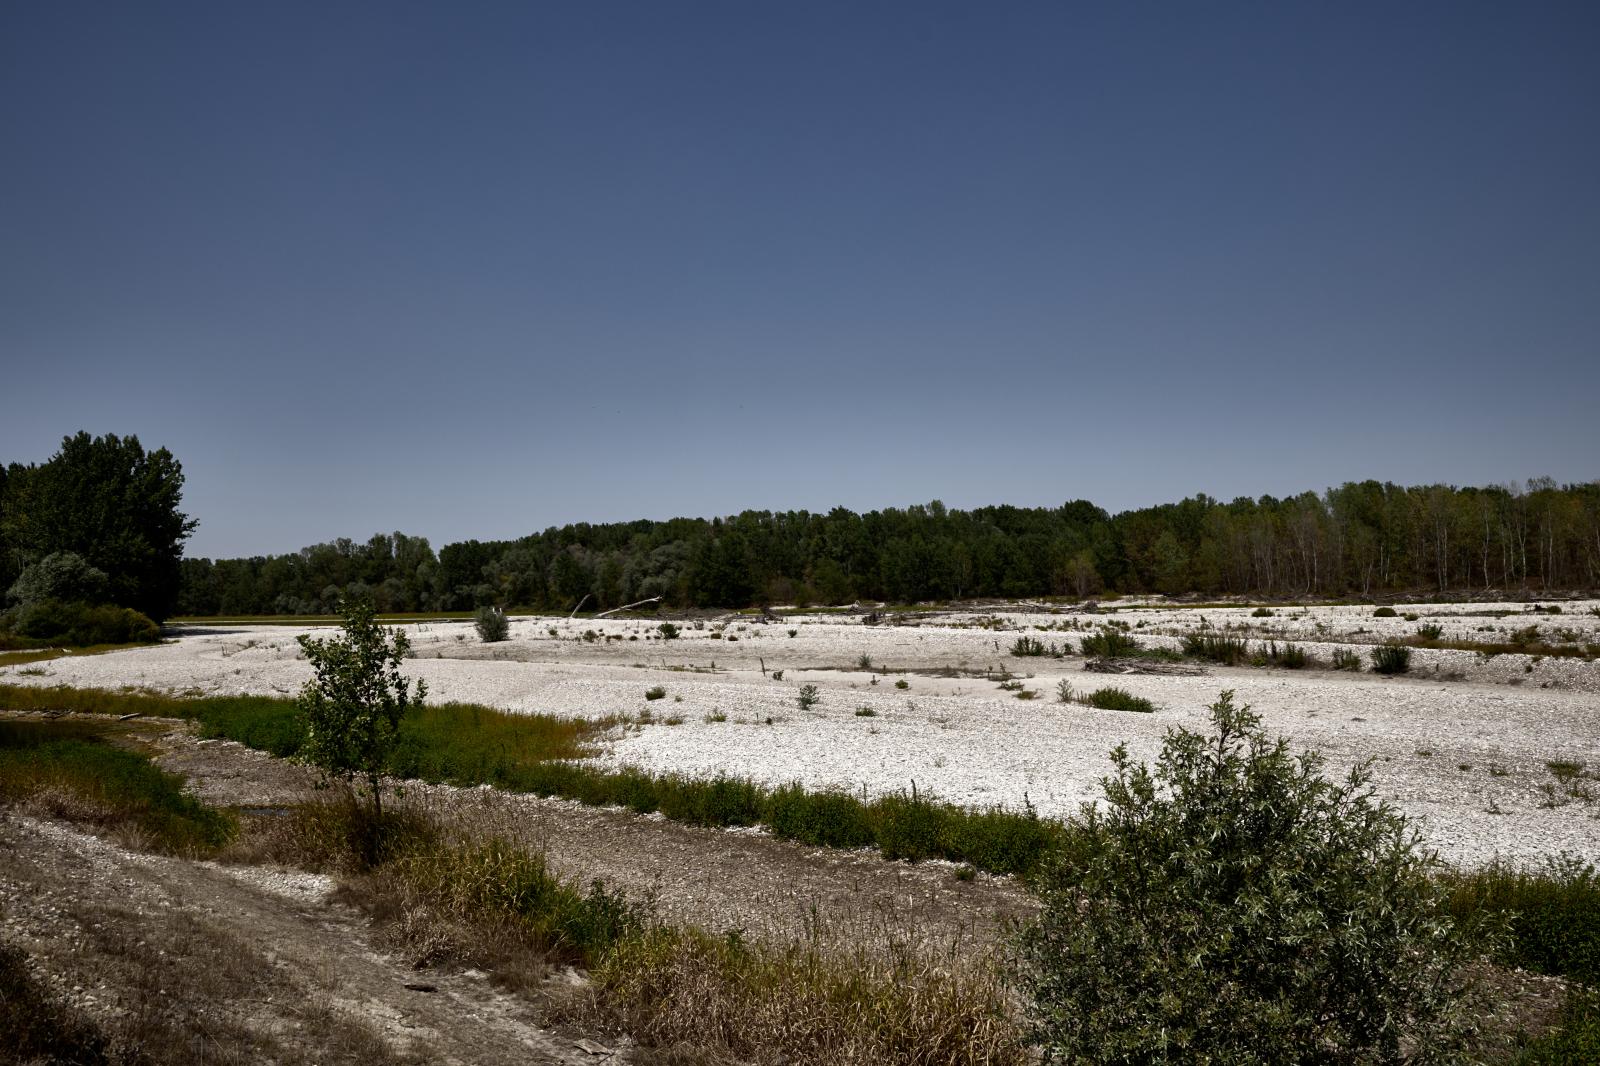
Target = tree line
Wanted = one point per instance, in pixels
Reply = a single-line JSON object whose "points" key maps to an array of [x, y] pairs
{"points": [[1360, 539]]}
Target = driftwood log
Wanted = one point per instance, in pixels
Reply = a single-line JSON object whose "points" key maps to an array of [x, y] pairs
{"points": [[1106, 664], [629, 606]]}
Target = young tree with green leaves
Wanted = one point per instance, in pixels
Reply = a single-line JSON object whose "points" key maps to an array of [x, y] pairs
{"points": [[353, 706]]}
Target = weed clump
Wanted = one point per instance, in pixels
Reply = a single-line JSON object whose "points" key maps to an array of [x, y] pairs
{"points": [[1118, 699], [1391, 659], [1027, 646], [1110, 643], [1216, 647]]}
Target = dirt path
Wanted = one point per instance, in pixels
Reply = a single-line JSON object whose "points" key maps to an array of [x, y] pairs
{"points": [[239, 963], [721, 880]]}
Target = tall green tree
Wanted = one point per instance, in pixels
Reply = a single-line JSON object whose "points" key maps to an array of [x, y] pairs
{"points": [[111, 502]]}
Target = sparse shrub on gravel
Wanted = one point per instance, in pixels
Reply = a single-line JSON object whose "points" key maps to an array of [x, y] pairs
{"points": [[1286, 655], [655, 692], [808, 697], [1430, 631], [1385, 612], [1261, 612], [1118, 699], [491, 624], [1391, 659], [1027, 646], [1345, 659], [1233, 906], [668, 631], [1216, 647], [1110, 643]]}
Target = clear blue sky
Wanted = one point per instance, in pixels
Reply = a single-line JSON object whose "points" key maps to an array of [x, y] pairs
{"points": [[474, 269]]}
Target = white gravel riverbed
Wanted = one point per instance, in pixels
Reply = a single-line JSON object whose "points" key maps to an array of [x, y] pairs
{"points": [[1461, 744]]}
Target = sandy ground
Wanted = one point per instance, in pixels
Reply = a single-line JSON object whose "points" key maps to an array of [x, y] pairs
{"points": [[1461, 744]]}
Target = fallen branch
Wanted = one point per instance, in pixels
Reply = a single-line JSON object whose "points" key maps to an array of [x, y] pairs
{"points": [[578, 608], [628, 606], [1122, 665]]}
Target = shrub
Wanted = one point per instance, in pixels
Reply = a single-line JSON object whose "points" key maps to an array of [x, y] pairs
{"points": [[353, 705], [63, 576], [1384, 612], [808, 697], [1391, 659], [1345, 659], [1216, 647], [1261, 612], [1288, 656], [902, 683], [1027, 646], [655, 693], [865, 662], [80, 625], [668, 631], [1118, 699], [1234, 906], [1064, 693], [1110, 643], [491, 624], [1430, 631]]}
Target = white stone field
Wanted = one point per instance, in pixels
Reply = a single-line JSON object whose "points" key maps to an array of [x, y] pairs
{"points": [[1462, 743]]}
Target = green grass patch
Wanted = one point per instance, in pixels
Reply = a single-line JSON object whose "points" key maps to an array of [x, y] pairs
{"points": [[468, 745], [1555, 914], [72, 769], [1216, 648]]}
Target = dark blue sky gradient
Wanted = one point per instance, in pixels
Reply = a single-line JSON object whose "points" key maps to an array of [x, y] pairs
{"points": [[477, 269]]}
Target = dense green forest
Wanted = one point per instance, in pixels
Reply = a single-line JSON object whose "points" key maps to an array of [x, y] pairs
{"points": [[90, 542], [1363, 539]]}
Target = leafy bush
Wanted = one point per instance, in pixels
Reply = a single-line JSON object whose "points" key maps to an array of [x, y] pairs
{"points": [[1216, 647], [1110, 643], [655, 692], [1430, 631], [1064, 692], [1384, 612], [491, 624], [1234, 906], [63, 576], [1118, 699], [1261, 612], [1391, 659], [80, 625], [808, 697], [668, 631], [1026, 646]]}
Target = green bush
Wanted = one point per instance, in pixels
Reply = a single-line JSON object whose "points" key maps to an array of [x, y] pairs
{"points": [[1391, 659], [1118, 699], [1110, 643], [1026, 646], [1430, 631], [81, 625], [1261, 612], [808, 697], [1385, 612], [1288, 656], [491, 624], [1233, 906], [668, 631], [64, 576], [1345, 659], [655, 692]]}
